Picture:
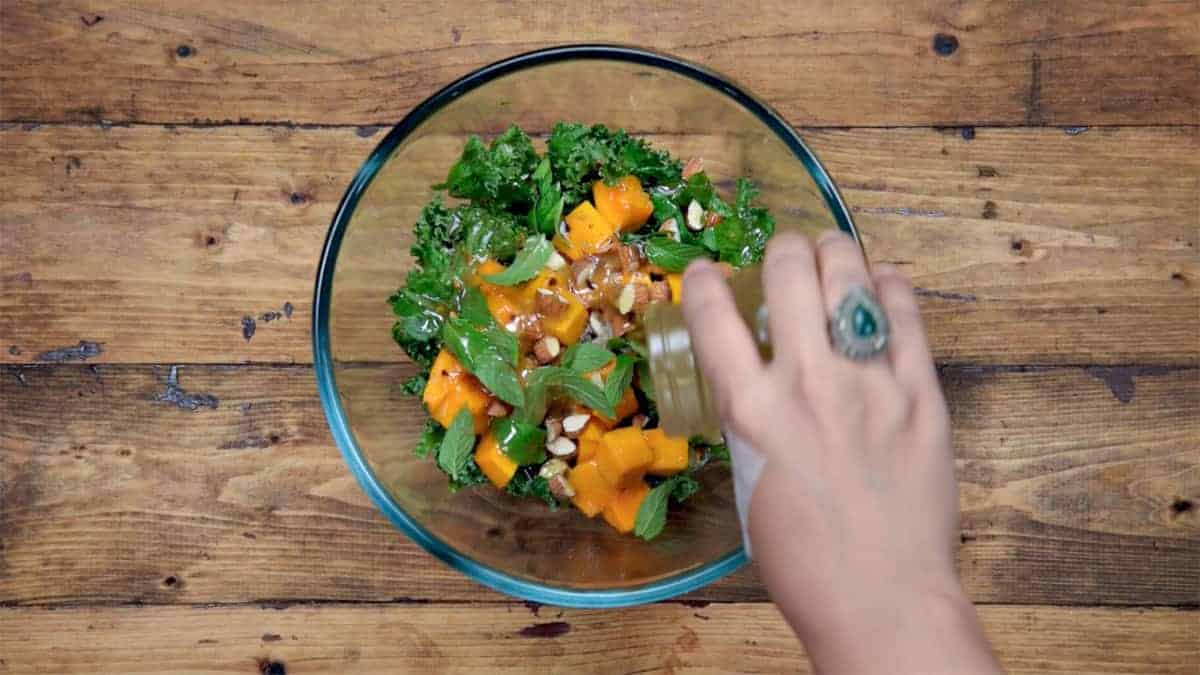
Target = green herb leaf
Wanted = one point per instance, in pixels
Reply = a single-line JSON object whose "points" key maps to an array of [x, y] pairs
{"points": [[533, 256], [526, 483], [454, 453], [652, 514], [473, 308], [618, 380], [488, 354], [587, 393], [579, 154], [489, 234], [684, 487], [671, 255], [700, 188], [522, 442], [430, 440], [585, 357]]}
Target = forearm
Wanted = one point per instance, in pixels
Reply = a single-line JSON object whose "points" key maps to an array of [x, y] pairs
{"points": [[860, 630]]}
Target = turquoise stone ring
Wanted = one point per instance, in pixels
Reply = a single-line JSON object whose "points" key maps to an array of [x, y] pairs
{"points": [[859, 328]]}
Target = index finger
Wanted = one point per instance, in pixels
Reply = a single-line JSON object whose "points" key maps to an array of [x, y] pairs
{"points": [[721, 340]]}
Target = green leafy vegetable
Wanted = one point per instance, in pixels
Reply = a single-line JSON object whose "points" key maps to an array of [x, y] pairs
{"points": [[544, 381], [586, 357], [742, 234], [533, 256], [547, 211], [652, 514], [489, 234], [619, 380], [497, 175], [454, 453], [526, 483], [473, 309], [671, 255], [579, 154], [488, 354], [645, 381], [430, 440], [523, 442], [413, 386]]}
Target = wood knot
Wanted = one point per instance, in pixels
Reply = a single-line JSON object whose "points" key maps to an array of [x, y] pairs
{"points": [[945, 44], [268, 667], [1181, 506], [184, 51], [298, 198]]}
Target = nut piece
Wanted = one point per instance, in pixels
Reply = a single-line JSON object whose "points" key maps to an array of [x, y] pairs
{"points": [[618, 323], [629, 257], [550, 303], [694, 165], [639, 421], [660, 291], [670, 228], [573, 424], [599, 326], [552, 468], [596, 379], [513, 326], [560, 487], [532, 329], [497, 408], [553, 428], [556, 261], [546, 349], [626, 299], [581, 270], [711, 219], [695, 216], [561, 447], [641, 296]]}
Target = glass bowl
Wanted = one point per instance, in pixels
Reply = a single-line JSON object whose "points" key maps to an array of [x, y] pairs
{"points": [[518, 546]]}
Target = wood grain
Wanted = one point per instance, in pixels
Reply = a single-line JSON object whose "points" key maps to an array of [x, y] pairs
{"points": [[109, 494], [157, 244], [866, 62], [512, 638]]}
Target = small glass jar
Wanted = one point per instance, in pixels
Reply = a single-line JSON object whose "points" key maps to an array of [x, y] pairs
{"points": [[685, 404]]}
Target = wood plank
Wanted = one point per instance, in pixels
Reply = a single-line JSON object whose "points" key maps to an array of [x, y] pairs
{"points": [[1078, 487], [866, 62], [509, 638], [1030, 245]]}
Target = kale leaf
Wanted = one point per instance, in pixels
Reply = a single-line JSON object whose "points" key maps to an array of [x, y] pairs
{"points": [[579, 154], [496, 175]]}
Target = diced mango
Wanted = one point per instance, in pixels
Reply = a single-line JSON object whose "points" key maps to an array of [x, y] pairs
{"points": [[571, 321], [592, 491], [626, 205], [590, 439], [670, 453], [624, 456], [587, 231], [502, 301], [675, 282], [450, 387], [493, 462], [622, 511]]}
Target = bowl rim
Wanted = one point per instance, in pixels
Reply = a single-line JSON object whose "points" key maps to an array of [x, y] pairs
{"points": [[323, 364]]}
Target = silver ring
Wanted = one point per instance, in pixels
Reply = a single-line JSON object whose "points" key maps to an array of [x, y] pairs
{"points": [[859, 328]]}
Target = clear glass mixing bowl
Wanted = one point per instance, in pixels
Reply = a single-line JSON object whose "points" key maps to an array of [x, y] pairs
{"points": [[517, 546]]}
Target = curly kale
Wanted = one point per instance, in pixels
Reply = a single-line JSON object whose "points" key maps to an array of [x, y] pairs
{"points": [[579, 154], [496, 175]]}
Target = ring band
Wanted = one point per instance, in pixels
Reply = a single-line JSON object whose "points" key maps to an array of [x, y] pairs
{"points": [[859, 328]]}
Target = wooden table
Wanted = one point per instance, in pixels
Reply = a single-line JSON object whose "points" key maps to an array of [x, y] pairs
{"points": [[170, 497]]}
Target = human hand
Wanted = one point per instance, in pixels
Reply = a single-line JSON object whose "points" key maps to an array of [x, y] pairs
{"points": [[854, 517]]}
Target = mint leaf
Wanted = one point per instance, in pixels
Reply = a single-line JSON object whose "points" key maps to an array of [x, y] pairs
{"points": [[533, 256], [488, 354], [523, 442], [618, 380], [454, 453], [587, 393], [671, 255], [473, 308], [645, 381], [652, 514], [683, 488], [586, 357], [547, 211]]}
